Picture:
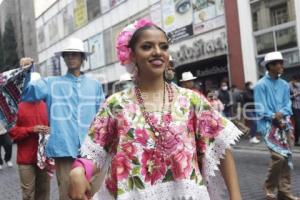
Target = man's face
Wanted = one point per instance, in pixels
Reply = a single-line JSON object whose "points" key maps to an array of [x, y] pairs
{"points": [[73, 60], [188, 84], [276, 67]]}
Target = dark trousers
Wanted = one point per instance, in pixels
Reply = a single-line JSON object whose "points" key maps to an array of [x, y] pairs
{"points": [[296, 116], [6, 142]]}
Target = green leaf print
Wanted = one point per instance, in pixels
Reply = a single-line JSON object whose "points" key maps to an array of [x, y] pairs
{"points": [[130, 133], [136, 171], [193, 175], [138, 182], [130, 183], [120, 191], [168, 176], [135, 161]]}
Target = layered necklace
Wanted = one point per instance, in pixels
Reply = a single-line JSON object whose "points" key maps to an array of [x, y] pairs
{"points": [[162, 126]]}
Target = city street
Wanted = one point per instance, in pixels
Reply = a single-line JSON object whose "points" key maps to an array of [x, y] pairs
{"points": [[252, 162]]}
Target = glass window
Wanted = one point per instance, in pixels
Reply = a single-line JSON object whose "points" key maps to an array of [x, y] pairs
{"points": [[93, 9], [286, 38], [265, 43], [268, 13], [108, 45], [279, 14]]}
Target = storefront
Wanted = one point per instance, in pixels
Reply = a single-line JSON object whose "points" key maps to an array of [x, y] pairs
{"points": [[205, 56]]}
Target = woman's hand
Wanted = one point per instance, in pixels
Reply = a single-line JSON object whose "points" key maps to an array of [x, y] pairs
{"points": [[26, 62], [79, 187]]}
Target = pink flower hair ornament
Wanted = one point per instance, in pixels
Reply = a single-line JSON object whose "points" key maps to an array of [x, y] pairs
{"points": [[123, 50]]}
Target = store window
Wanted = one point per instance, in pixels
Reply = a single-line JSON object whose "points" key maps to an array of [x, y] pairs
{"points": [[286, 38], [279, 14], [268, 13], [93, 9], [265, 43]]}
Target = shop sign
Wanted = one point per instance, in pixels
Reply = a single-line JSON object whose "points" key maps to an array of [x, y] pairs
{"points": [[202, 47], [211, 71]]}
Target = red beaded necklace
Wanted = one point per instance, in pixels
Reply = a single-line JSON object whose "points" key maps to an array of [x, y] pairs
{"points": [[157, 128]]}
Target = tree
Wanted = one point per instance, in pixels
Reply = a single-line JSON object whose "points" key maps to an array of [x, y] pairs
{"points": [[9, 47], [1, 52]]}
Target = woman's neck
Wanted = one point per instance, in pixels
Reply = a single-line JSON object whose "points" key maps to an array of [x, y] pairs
{"points": [[151, 85]]}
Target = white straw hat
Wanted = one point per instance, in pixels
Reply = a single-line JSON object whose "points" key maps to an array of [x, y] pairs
{"points": [[34, 76], [125, 77], [270, 57], [187, 76], [73, 45]]}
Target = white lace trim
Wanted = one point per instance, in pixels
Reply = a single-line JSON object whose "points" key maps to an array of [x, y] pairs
{"points": [[179, 190], [213, 154], [94, 152]]}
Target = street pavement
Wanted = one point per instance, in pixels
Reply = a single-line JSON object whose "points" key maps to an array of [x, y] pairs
{"points": [[251, 161]]}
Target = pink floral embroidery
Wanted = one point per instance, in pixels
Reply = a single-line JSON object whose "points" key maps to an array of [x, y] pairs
{"points": [[153, 166], [210, 124], [120, 166], [100, 131], [191, 121], [129, 149], [111, 184], [123, 124], [167, 118], [181, 164], [141, 136], [170, 141]]}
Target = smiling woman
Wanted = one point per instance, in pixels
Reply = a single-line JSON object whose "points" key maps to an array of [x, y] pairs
{"points": [[155, 140]]}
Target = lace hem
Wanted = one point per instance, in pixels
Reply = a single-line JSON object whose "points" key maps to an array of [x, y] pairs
{"points": [[94, 152], [213, 154], [185, 189]]}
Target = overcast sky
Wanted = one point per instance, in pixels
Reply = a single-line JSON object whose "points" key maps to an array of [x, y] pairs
{"points": [[41, 5]]}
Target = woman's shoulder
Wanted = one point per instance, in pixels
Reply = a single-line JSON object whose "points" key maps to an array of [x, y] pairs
{"points": [[119, 97], [190, 95]]}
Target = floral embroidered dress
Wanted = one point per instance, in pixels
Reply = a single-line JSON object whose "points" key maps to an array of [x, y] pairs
{"points": [[140, 165]]}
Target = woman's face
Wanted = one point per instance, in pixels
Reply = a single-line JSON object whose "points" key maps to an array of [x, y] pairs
{"points": [[151, 53]]}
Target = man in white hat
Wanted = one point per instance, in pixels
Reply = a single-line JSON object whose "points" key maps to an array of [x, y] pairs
{"points": [[273, 108], [72, 101], [187, 81]]}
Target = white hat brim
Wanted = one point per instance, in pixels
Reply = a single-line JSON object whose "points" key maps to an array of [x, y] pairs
{"points": [[59, 53], [264, 63], [190, 79]]}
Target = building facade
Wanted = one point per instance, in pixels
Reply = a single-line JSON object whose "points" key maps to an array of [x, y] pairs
{"points": [[22, 15], [214, 39]]}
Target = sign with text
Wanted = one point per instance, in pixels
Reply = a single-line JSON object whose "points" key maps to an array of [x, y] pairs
{"points": [[199, 48]]}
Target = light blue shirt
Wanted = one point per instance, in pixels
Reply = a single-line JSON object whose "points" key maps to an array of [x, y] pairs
{"points": [[271, 96], [72, 103]]}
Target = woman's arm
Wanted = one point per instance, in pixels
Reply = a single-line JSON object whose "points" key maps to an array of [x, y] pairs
{"points": [[229, 173], [79, 186]]}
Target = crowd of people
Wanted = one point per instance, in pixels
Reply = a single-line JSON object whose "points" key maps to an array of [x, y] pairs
{"points": [[152, 139]]}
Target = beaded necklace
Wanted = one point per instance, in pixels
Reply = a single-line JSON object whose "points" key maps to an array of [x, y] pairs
{"points": [[157, 128]]}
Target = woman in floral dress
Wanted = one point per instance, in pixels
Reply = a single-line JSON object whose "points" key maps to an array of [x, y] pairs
{"points": [[155, 140]]}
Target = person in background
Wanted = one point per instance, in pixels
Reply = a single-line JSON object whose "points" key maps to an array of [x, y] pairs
{"points": [[6, 143], [225, 98], [170, 71], [212, 97], [249, 110], [187, 81], [32, 120], [72, 101], [295, 97], [155, 147], [273, 109]]}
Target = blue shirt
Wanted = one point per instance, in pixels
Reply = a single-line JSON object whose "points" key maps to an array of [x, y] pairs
{"points": [[72, 103], [271, 96]]}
